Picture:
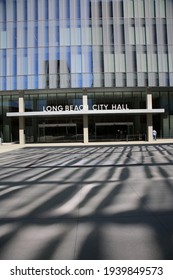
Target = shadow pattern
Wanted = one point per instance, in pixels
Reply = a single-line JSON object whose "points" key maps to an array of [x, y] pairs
{"points": [[97, 202]]}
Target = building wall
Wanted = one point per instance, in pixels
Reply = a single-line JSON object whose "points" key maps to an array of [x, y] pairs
{"points": [[85, 43], [70, 128]]}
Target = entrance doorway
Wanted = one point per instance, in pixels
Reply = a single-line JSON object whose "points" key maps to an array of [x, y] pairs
{"points": [[51, 132], [56, 130], [113, 130], [117, 128]]}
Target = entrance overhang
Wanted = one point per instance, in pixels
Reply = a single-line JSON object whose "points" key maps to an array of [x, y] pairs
{"points": [[85, 112]]}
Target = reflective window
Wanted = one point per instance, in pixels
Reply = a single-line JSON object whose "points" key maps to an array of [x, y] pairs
{"points": [[67, 44], [139, 9]]}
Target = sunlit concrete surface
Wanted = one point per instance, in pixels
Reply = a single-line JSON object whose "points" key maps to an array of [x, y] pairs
{"points": [[94, 202]]}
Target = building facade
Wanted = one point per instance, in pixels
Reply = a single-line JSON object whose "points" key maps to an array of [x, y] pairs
{"points": [[85, 70]]}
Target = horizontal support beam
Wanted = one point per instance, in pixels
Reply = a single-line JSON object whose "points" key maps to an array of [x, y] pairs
{"points": [[85, 112]]}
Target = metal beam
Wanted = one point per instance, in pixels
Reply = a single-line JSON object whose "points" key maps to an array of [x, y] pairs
{"points": [[84, 112]]}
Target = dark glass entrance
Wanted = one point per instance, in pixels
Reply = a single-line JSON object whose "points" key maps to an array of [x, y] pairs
{"points": [[117, 128], [54, 130], [113, 131]]}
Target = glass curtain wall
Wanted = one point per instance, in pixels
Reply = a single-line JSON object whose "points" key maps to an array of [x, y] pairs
{"points": [[9, 127], [85, 43], [163, 123]]}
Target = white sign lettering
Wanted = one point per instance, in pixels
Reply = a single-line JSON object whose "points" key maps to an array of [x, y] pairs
{"points": [[81, 107]]}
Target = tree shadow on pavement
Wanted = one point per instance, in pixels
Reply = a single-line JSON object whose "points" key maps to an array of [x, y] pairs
{"points": [[87, 203]]}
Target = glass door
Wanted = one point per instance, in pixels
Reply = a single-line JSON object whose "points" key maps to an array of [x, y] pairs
{"points": [[117, 128], [57, 130]]}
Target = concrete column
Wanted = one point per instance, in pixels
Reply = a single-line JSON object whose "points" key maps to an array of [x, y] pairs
{"points": [[21, 119], [149, 100], [150, 127], [149, 117], [85, 120], [85, 128]]}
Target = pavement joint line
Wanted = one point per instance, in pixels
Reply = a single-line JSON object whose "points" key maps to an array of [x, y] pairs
{"points": [[89, 165]]}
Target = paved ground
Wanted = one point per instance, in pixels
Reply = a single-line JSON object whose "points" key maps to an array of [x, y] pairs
{"points": [[96, 202]]}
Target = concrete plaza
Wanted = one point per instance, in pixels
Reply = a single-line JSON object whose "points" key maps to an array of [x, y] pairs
{"points": [[87, 202]]}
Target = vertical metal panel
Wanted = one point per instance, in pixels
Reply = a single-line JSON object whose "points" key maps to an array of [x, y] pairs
{"points": [[64, 26], [97, 41], [86, 42], [52, 45], [42, 79], [72, 44], [3, 45]]}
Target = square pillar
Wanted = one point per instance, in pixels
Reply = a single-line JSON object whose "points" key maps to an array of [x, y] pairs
{"points": [[150, 127], [21, 119], [85, 120], [149, 100], [21, 130], [149, 116], [85, 128]]}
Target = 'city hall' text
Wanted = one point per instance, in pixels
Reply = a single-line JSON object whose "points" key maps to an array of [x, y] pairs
{"points": [[81, 107]]}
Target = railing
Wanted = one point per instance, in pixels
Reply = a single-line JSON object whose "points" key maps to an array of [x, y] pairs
{"points": [[136, 137]]}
